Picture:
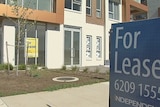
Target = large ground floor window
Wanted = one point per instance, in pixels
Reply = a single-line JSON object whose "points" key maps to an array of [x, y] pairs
{"points": [[32, 42]]}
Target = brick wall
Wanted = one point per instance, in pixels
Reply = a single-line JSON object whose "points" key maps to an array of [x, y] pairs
{"points": [[93, 19]]}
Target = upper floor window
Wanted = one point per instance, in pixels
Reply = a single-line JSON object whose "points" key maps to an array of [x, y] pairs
{"points": [[11, 2], [88, 7], [15, 2], [30, 4], [73, 4], [113, 10], [45, 5], [48, 5], [98, 8]]}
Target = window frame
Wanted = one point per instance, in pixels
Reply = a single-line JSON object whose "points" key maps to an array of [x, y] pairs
{"points": [[89, 46], [99, 47], [113, 11], [75, 2], [89, 8], [99, 10], [50, 4]]}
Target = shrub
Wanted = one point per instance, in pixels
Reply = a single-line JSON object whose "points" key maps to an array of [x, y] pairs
{"points": [[1, 66], [74, 68], [64, 67], [34, 73], [6, 66], [33, 67], [85, 69], [32, 70], [22, 67]]}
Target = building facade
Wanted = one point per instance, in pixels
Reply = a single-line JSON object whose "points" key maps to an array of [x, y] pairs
{"points": [[48, 17], [154, 9], [134, 10], [64, 32], [84, 29]]}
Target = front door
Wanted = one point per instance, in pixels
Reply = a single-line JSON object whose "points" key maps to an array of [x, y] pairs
{"points": [[72, 47]]}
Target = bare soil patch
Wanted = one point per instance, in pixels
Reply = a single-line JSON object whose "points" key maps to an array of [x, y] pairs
{"points": [[41, 80]]}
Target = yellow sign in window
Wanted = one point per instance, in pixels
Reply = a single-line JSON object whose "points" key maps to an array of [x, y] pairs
{"points": [[32, 47]]}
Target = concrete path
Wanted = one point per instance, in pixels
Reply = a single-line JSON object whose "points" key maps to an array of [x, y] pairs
{"points": [[95, 95], [2, 104]]}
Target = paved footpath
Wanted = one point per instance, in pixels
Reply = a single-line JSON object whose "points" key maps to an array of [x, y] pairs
{"points": [[95, 95]]}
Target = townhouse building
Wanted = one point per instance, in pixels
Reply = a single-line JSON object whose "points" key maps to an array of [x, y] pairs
{"points": [[65, 32]]}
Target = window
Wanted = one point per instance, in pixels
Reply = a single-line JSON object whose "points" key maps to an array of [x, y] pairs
{"points": [[30, 4], [73, 4], [113, 10], [98, 47], [48, 5], [45, 5], [41, 30], [54, 5], [36, 32], [31, 33], [88, 46], [68, 4], [88, 7], [11, 2], [19, 3], [98, 8]]}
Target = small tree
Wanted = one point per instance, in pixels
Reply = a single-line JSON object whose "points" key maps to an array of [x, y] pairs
{"points": [[21, 19]]}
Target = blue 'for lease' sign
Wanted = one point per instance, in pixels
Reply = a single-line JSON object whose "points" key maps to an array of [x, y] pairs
{"points": [[135, 64]]}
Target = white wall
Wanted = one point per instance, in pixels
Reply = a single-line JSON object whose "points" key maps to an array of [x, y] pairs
{"points": [[75, 18], [8, 36], [94, 31], [54, 48]]}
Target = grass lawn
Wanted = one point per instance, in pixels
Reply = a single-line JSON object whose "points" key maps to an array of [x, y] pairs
{"points": [[41, 80]]}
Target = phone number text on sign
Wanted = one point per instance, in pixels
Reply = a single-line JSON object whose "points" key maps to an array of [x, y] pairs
{"points": [[144, 90]]}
